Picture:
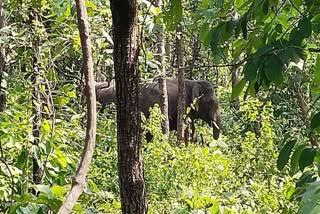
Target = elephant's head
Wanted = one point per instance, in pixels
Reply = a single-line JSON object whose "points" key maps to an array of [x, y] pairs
{"points": [[207, 105], [105, 93]]}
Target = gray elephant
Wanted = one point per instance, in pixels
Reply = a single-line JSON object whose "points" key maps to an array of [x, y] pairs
{"points": [[199, 92]]}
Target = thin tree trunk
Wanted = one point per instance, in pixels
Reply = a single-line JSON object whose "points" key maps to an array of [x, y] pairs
{"points": [[304, 107], [234, 82], [181, 85], [37, 171], [167, 47], [125, 56], [78, 181], [195, 55], [162, 79], [2, 63]]}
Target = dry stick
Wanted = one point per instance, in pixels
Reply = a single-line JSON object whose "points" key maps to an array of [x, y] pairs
{"points": [[78, 181]]}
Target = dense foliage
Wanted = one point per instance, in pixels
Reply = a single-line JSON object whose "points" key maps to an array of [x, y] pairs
{"points": [[267, 160]]}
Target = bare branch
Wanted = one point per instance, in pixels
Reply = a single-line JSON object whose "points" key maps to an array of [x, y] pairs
{"points": [[78, 181]]}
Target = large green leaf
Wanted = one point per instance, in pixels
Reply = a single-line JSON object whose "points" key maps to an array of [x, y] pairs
{"points": [[305, 27], [205, 34], [238, 89], [216, 38], [306, 158], [310, 199], [315, 87], [306, 177], [273, 69], [315, 121], [285, 154], [251, 69], [295, 159], [296, 37]]}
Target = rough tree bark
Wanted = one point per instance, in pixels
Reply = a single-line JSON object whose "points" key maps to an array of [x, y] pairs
{"points": [[125, 56], [162, 79], [2, 62], [78, 180], [181, 85], [37, 170]]}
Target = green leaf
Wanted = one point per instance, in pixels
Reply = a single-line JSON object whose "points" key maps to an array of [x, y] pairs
{"points": [[216, 38], [296, 3], [238, 89], [205, 34], [305, 27], [44, 189], [116, 204], [265, 7], [59, 191], [285, 154], [251, 69], [174, 14], [273, 69], [310, 199], [296, 37], [315, 86], [306, 177], [315, 121], [295, 159], [21, 163], [306, 158]]}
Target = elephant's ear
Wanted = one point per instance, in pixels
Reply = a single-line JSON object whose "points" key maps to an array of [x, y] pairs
{"points": [[196, 95]]}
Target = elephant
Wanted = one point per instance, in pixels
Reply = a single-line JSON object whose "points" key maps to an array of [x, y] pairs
{"points": [[199, 94]]}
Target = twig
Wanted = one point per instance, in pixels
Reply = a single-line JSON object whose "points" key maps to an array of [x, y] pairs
{"points": [[297, 9], [314, 102], [314, 50]]}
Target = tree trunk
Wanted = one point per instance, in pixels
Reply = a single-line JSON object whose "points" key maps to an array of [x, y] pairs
{"points": [[304, 107], [234, 82], [181, 85], [162, 79], [125, 56], [2, 63], [37, 170], [196, 51], [78, 182]]}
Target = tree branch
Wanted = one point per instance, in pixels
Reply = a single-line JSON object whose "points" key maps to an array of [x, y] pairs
{"points": [[78, 181]]}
